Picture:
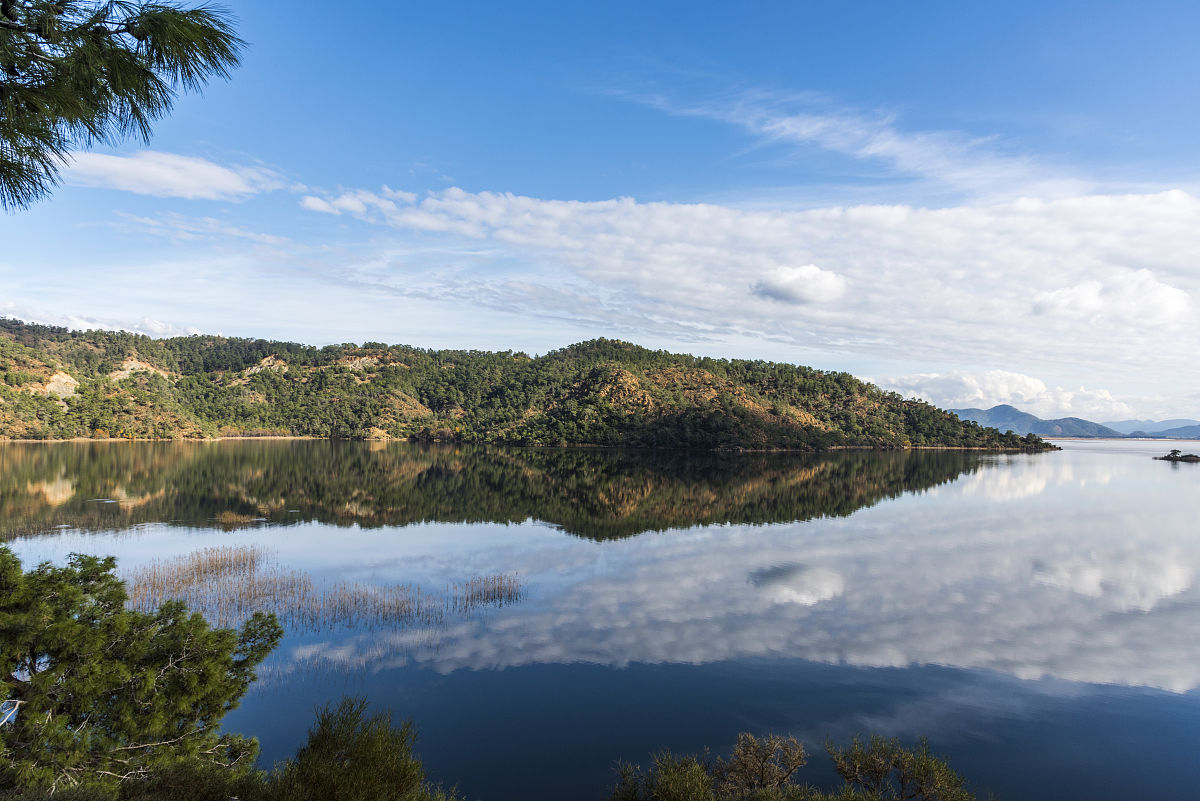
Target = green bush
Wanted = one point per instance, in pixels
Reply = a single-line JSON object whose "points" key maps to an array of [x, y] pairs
{"points": [[196, 781], [670, 778], [886, 771], [354, 756], [350, 755], [764, 769], [755, 764], [98, 695]]}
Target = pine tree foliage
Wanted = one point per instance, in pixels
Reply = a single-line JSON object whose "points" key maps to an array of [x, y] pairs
{"points": [[75, 73], [93, 694]]}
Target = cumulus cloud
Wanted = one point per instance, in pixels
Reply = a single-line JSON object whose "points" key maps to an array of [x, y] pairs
{"points": [[982, 390], [806, 284], [1128, 297], [160, 174]]}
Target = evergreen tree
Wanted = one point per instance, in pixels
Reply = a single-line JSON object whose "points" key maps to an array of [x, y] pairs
{"points": [[77, 72], [355, 755], [93, 694]]}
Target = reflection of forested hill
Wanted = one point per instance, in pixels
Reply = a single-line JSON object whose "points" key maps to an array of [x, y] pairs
{"points": [[594, 493], [57, 384]]}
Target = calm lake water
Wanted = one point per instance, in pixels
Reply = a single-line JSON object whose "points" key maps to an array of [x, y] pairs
{"points": [[546, 613]]}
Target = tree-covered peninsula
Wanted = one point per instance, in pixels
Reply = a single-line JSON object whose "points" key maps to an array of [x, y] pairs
{"points": [[61, 384]]}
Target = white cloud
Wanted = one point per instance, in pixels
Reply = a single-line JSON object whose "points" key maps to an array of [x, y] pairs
{"points": [[1129, 297], [968, 284], [313, 203], [158, 328], [159, 174], [806, 284], [982, 390], [144, 325]]}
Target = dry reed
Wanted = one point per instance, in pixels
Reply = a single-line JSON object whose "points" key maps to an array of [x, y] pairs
{"points": [[228, 584], [482, 591]]}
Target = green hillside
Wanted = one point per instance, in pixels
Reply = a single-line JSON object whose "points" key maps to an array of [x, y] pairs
{"points": [[60, 384]]}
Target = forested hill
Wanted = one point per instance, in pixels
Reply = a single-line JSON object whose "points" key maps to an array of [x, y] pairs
{"points": [[59, 384]]}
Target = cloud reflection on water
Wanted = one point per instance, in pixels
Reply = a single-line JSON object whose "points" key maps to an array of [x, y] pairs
{"points": [[1093, 582], [1078, 565]]}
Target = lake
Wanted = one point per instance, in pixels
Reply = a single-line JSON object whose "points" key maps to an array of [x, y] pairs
{"points": [[541, 614]]}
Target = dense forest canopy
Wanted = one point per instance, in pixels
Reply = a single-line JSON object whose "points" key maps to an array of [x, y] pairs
{"points": [[57, 383]]}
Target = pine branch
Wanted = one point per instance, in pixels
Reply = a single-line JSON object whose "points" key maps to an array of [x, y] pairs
{"points": [[74, 74]]}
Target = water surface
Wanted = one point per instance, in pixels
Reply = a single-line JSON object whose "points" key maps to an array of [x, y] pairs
{"points": [[1036, 616]]}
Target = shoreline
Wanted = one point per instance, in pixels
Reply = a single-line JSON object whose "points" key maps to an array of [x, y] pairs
{"points": [[731, 450], [184, 439], [1123, 439]]}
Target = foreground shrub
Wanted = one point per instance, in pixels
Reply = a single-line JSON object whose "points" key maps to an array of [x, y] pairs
{"points": [[670, 778], [354, 756], [96, 695], [196, 781], [99, 702], [885, 771], [756, 765], [765, 769]]}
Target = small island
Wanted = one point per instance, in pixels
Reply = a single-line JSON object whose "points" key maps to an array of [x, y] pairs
{"points": [[1177, 455]]}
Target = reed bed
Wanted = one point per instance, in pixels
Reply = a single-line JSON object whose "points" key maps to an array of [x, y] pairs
{"points": [[228, 584], [483, 591]]}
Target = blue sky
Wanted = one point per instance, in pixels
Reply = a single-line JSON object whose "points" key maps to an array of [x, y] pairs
{"points": [[973, 203]]}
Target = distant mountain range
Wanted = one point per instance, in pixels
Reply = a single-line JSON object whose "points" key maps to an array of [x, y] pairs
{"points": [[1009, 418], [1139, 428], [1182, 432]]}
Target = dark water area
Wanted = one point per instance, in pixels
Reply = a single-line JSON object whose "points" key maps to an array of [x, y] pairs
{"points": [[1036, 616]]}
